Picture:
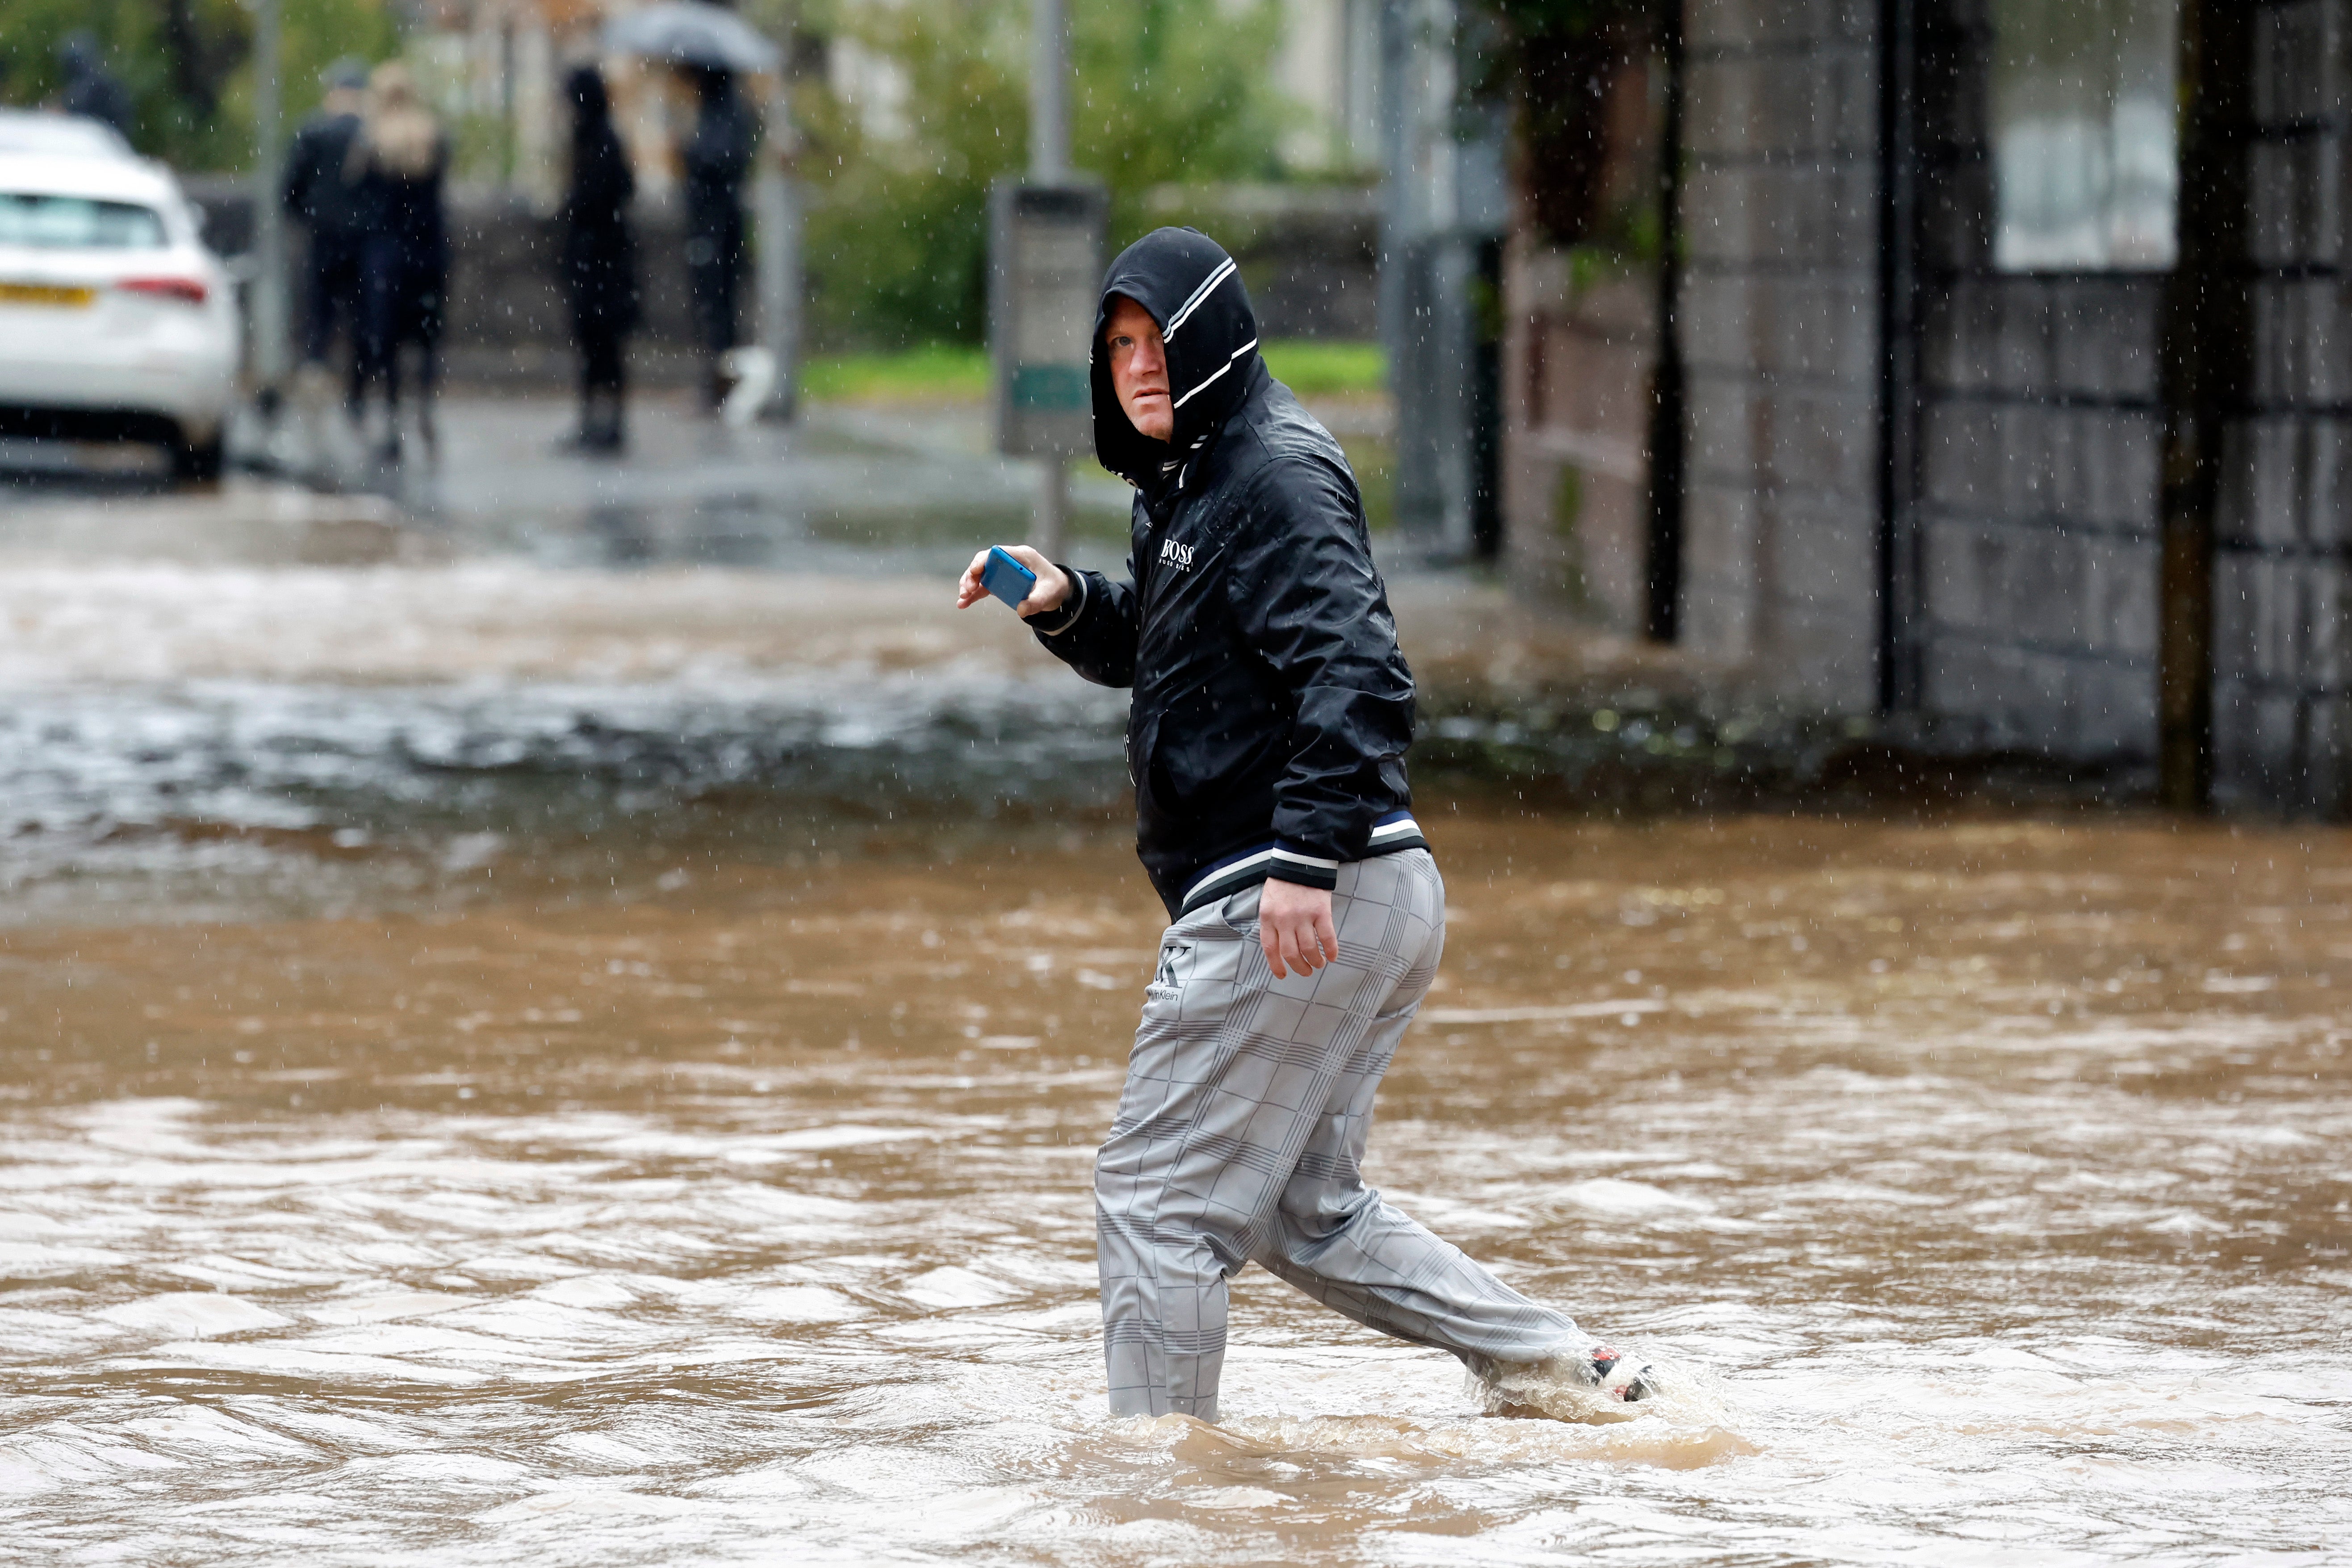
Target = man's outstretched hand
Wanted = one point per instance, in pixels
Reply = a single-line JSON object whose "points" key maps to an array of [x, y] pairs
{"points": [[1053, 585], [1293, 926]]}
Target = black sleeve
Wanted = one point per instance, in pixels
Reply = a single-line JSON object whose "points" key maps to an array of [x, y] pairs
{"points": [[624, 184], [1302, 590], [1098, 640], [301, 173], [719, 149]]}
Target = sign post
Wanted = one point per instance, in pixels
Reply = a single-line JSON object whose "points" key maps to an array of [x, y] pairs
{"points": [[1045, 251], [1046, 243]]}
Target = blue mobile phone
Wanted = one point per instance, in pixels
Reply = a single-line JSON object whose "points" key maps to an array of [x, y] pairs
{"points": [[1005, 577]]}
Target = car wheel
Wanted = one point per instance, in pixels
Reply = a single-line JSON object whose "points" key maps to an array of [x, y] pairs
{"points": [[202, 462]]}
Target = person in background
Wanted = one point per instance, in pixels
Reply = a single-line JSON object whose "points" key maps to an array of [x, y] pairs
{"points": [[716, 158], [317, 196], [397, 163], [90, 90], [598, 262]]}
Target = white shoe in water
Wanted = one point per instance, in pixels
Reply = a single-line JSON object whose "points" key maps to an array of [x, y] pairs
{"points": [[1594, 1386], [1616, 1377]]}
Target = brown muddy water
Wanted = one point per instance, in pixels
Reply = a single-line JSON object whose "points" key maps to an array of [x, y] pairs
{"points": [[508, 1065], [638, 1207]]}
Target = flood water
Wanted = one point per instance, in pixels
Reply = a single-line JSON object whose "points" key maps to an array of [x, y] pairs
{"points": [[520, 1067], [1996, 1169]]}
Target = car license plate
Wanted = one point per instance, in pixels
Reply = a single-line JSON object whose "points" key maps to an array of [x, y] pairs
{"points": [[60, 294]]}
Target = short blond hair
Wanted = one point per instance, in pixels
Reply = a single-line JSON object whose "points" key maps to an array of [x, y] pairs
{"points": [[401, 135]]}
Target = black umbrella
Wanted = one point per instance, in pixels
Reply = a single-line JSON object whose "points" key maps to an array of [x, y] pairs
{"points": [[687, 33]]}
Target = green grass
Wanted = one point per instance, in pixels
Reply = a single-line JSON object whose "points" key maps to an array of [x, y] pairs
{"points": [[943, 372], [1373, 461], [959, 372], [1315, 367]]}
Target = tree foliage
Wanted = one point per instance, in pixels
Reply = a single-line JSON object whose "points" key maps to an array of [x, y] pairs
{"points": [[897, 238], [188, 63]]}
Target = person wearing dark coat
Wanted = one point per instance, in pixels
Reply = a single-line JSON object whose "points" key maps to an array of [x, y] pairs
{"points": [[397, 165], [598, 262], [717, 157], [316, 196], [90, 90], [1266, 739]]}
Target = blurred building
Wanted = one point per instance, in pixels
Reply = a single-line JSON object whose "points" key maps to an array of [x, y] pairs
{"points": [[1925, 250], [1330, 66]]}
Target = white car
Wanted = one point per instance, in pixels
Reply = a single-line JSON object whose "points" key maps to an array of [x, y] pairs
{"points": [[116, 324]]}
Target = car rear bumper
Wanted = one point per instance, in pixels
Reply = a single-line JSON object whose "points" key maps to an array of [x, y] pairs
{"points": [[108, 425], [93, 404], [186, 376]]}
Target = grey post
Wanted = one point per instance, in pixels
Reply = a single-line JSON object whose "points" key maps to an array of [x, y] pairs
{"points": [[268, 298], [1049, 162], [776, 210], [1024, 283], [1447, 204], [1049, 92], [1044, 264]]}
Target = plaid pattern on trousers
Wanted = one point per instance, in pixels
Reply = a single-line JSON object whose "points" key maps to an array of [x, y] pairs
{"points": [[1240, 1137]]}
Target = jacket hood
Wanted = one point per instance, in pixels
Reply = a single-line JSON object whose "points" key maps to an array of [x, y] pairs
{"points": [[1190, 288]]}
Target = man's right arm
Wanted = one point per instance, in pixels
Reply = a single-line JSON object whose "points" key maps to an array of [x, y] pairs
{"points": [[1093, 631], [1082, 618]]}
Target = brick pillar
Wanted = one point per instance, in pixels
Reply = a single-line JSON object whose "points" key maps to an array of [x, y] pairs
{"points": [[1576, 363], [2282, 645], [1780, 330]]}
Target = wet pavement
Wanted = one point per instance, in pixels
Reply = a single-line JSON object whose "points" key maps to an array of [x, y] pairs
{"points": [[824, 491], [200, 683], [521, 1051]]}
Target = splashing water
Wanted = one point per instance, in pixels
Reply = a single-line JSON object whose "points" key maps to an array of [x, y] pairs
{"points": [[1673, 1395]]}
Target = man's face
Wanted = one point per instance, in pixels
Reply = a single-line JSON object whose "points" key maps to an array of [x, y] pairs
{"points": [[1139, 368]]}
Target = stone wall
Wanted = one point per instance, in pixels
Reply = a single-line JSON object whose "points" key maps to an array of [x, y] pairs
{"points": [[1579, 348], [2040, 432], [1779, 330], [2037, 512], [1779, 335], [2032, 513], [2282, 660]]}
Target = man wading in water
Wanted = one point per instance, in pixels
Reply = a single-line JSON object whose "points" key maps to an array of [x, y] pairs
{"points": [[1266, 740]]}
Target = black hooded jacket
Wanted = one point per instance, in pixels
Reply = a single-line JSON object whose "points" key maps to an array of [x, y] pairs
{"points": [[598, 261], [1271, 709], [315, 191]]}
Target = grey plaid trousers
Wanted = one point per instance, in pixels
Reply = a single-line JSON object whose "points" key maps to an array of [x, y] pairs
{"points": [[1240, 1137]]}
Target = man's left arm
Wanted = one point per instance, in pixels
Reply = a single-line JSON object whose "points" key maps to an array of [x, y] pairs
{"points": [[1303, 593]]}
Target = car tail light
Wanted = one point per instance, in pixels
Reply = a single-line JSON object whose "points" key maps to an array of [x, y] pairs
{"points": [[186, 291]]}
